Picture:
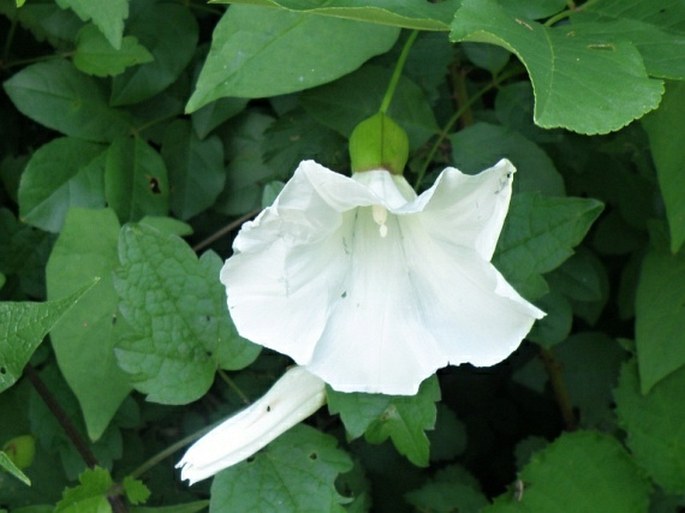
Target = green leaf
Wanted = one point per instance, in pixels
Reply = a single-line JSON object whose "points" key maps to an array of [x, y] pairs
{"points": [[135, 490], [188, 507], [196, 169], [655, 424], [535, 170], [108, 15], [539, 235], [657, 29], [45, 20], [23, 253], [581, 472], [57, 95], [537, 8], [61, 174], [136, 182], [23, 326], [84, 340], [246, 171], [556, 325], [414, 15], [403, 419], [210, 116], [590, 364], [660, 317], [343, 104], [259, 52], [90, 495], [296, 473], [7, 464], [96, 56], [169, 31], [587, 84], [176, 306], [669, 154], [452, 489]]}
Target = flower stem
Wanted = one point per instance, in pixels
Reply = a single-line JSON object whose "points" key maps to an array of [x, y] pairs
{"points": [[232, 385], [556, 379], [397, 73], [62, 418], [165, 453], [223, 231], [455, 117], [572, 9]]}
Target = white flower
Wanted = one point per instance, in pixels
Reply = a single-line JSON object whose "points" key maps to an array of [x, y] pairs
{"points": [[292, 399], [372, 288]]}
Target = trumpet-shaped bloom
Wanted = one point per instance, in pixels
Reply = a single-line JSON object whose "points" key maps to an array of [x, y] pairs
{"points": [[373, 288], [292, 399]]}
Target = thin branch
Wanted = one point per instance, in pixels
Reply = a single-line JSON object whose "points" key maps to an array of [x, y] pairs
{"points": [[556, 379], [224, 231], [62, 417]]}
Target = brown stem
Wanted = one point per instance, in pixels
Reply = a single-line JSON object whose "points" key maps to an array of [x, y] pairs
{"points": [[461, 95], [61, 416], [556, 379], [72, 433], [223, 231]]}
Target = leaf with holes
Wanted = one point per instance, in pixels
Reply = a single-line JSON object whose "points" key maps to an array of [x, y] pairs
{"points": [[176, 307], [297, 472], [136, 180]]}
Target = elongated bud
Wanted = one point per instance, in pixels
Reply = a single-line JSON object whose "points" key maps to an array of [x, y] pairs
{"points": [[379, 143], [292, 399]]}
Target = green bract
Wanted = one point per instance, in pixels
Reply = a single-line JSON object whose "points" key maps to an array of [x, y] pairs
{"points": [[379, 143]]}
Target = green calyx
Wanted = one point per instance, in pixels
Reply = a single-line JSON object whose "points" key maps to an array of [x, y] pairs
{"points": [[379, 143]]}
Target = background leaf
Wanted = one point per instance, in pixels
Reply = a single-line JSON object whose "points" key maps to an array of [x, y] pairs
{"points": [[403, 419], [84, 341], [669, 155], [412, 14], [538, 236], [96, 56], [297, 472], [24, 325], [196, 169], [136, 180], [247, 59], [107, 15], [588, 461], [63, 173], [655, 424], [170, 33], [57, 95], [609, 90], [176, 308], [660, 317]]}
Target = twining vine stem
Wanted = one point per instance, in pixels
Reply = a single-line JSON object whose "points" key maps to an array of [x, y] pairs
{"points": [[495, 82], [556, 379], [397, 73], [72, 433]]}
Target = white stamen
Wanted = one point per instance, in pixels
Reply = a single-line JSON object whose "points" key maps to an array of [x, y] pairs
{"points": [[380, 216]]}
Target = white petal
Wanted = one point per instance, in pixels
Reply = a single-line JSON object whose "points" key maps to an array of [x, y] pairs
{"points": [[289, 266], [475, 315], [469, 210], [292, 399], [376, 340]]}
